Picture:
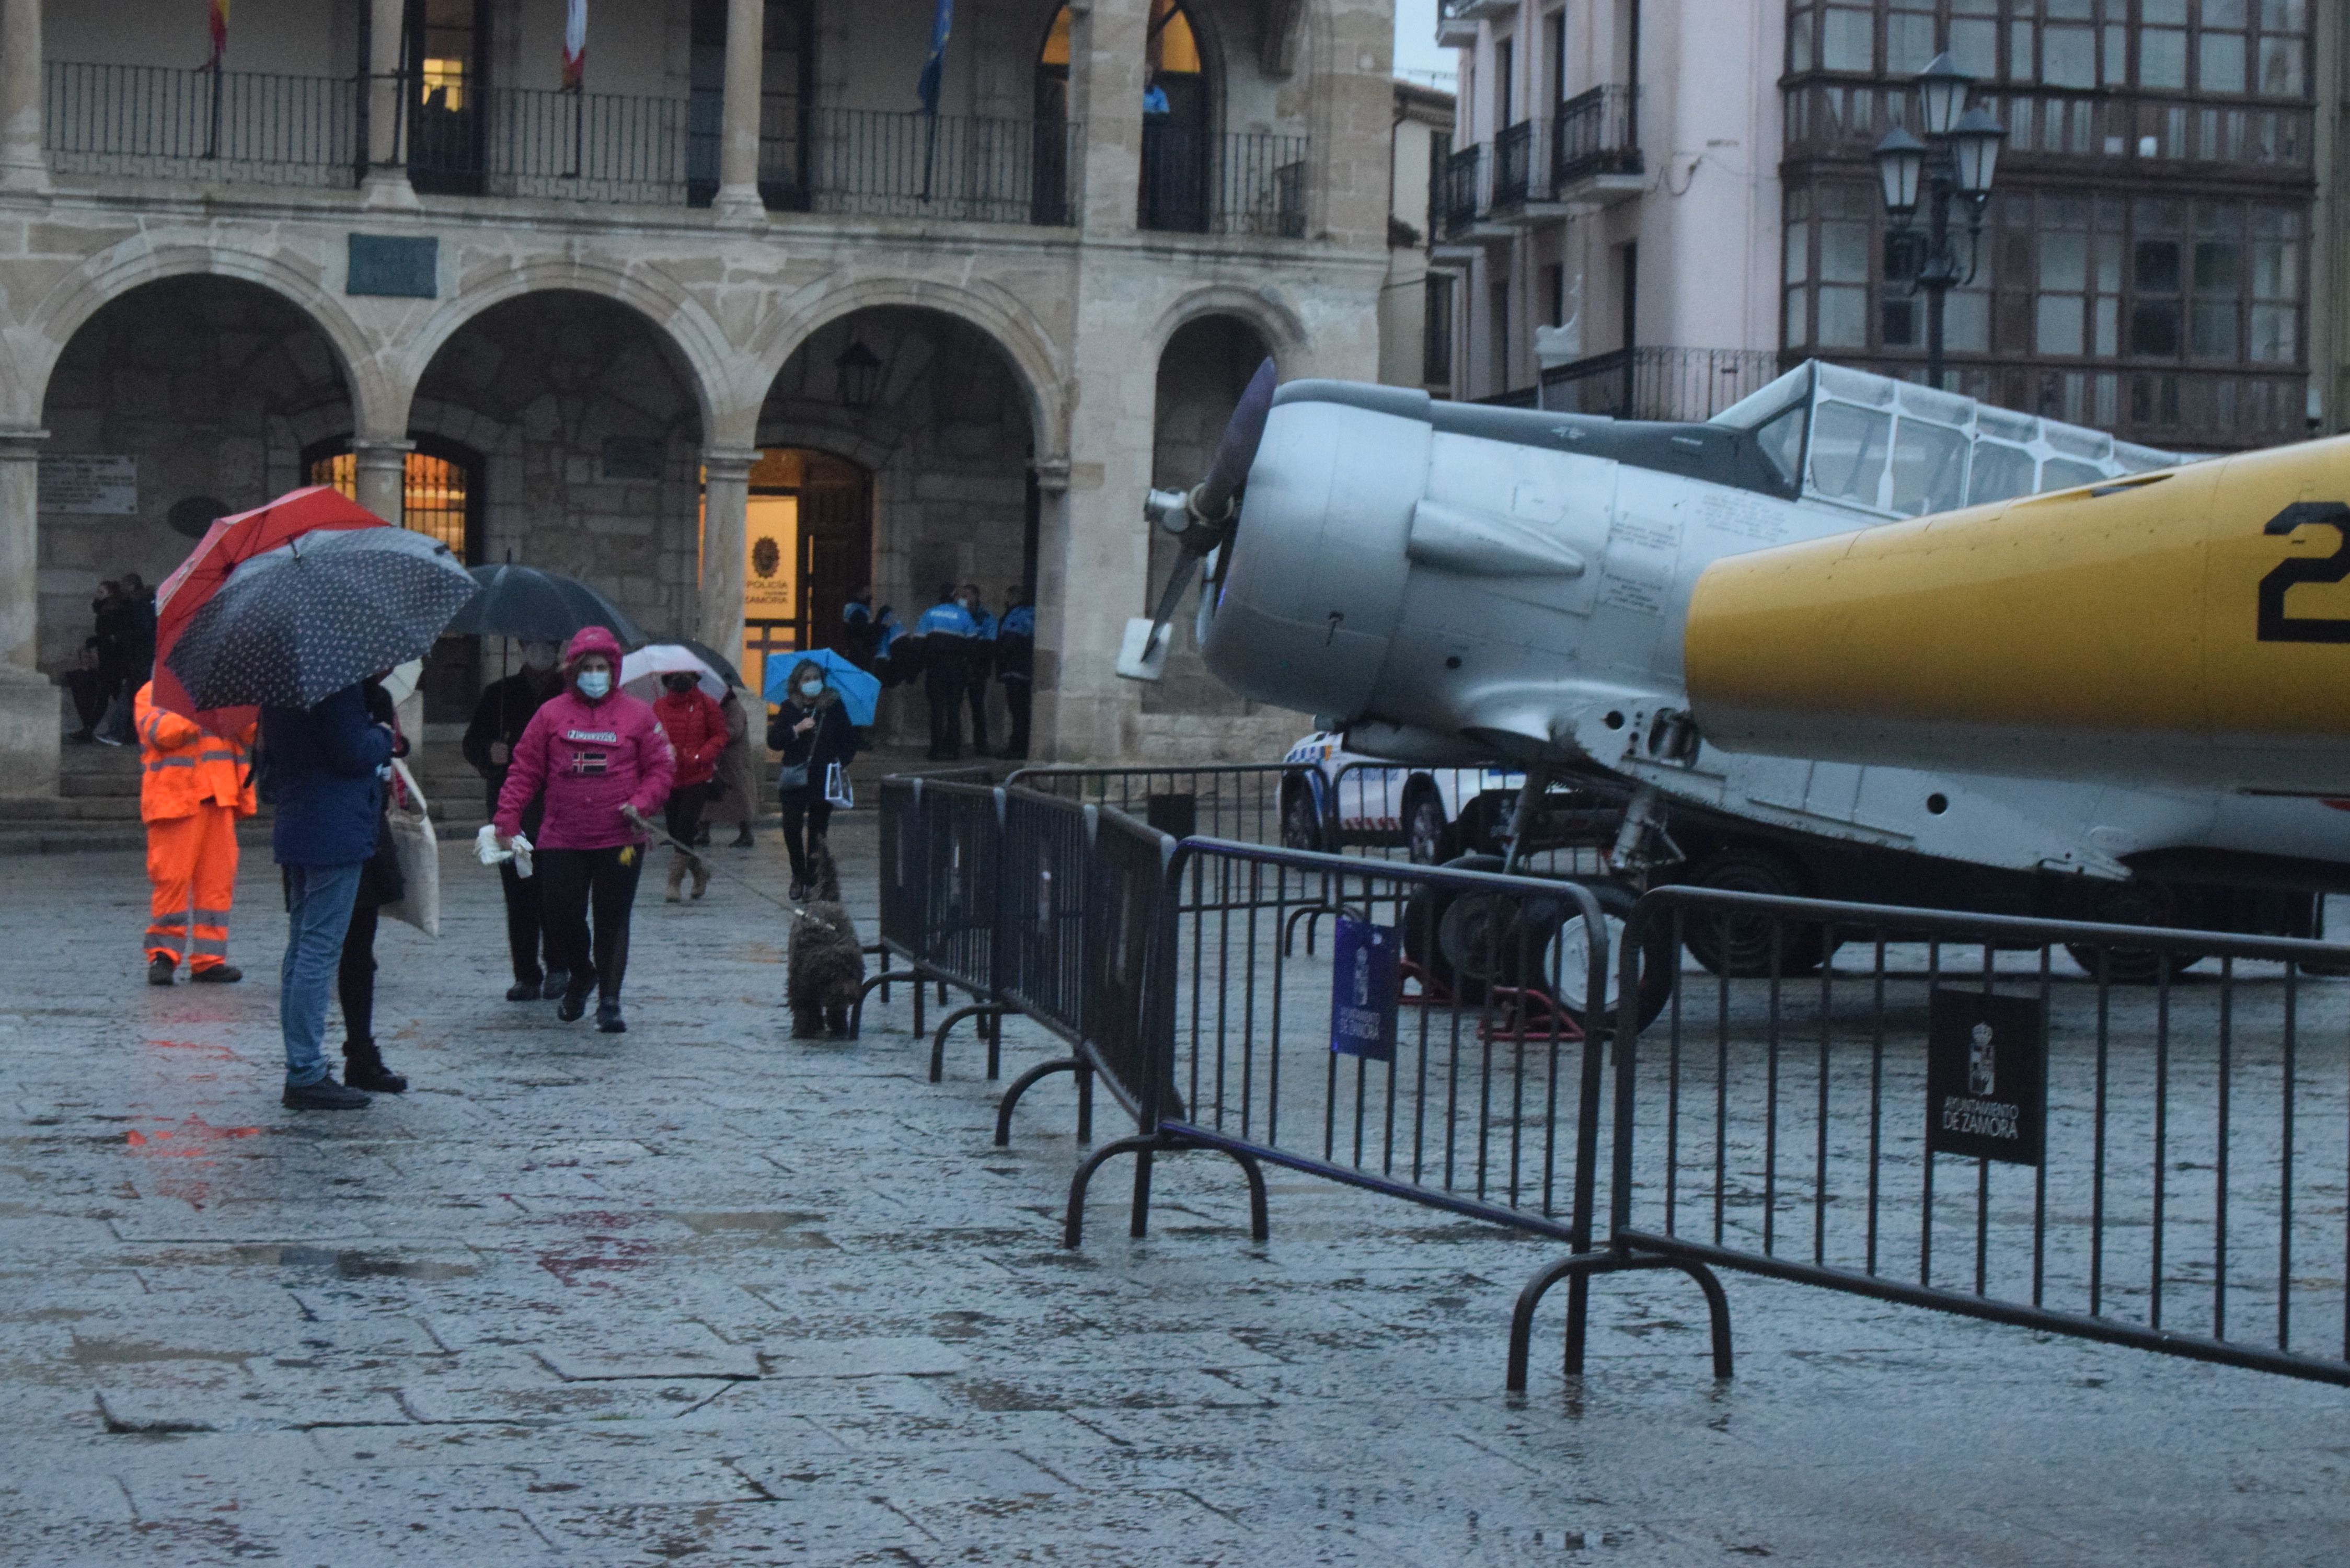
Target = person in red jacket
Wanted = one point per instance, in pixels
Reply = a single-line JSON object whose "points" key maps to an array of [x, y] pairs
{"points": [[605, 766], [696, 727]]}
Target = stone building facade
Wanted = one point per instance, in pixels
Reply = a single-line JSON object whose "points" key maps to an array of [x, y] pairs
{"points": [[595, 330]]}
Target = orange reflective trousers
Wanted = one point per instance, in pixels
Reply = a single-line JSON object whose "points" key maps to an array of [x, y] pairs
{"points": [[192, 861]]}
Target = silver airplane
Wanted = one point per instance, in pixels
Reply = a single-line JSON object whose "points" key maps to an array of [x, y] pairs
{"points": [[1457, 585]]}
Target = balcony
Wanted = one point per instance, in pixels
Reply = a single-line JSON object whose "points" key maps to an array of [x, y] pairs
{"points": [[1468, 218], [1654, 383], [1456, 27], [1249, 183], [2060, 130], [873, 163], [1596, 148], [241, 127]]}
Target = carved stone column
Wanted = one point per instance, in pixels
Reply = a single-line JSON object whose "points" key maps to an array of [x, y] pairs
{"points": [[725, 503], [738, 199], [383, 477], [24, 166], [30, 724], [387, 154], [1109, 45]]}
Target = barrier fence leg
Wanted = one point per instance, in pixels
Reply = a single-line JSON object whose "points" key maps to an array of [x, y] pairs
{"points": [[1072, 1229], [1084, 1101], [872, 983], [1579, 1269], [1138, 1226], [1036, 1075], [982, 1010]]}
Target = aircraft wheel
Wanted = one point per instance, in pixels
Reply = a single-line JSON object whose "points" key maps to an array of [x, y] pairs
{"points": [[2133, 904], [1470, 941], [1301, 824], [1658, 967], [1738, 946], [1428, 915]]}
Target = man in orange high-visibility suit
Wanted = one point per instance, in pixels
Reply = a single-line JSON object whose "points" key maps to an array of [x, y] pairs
{"points": [[194, 786]]}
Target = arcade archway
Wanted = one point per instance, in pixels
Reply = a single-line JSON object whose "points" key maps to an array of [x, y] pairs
{"points": [[1202, 370]]}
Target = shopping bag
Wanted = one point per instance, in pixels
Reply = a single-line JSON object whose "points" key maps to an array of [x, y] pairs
{"points": [[835, 786], [420, 856]]}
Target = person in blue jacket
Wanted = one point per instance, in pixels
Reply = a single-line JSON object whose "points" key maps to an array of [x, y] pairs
{"points": [[983, 664], [946, 630], [322, 770], [1015, 663]]}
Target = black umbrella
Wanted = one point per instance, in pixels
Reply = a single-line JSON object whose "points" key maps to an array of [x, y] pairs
{"points": [[719, 664], [307, 619], [534, 605]]}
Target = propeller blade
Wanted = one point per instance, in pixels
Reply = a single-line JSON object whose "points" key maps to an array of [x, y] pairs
{"points": [[1144, 656], [1242, 432]]}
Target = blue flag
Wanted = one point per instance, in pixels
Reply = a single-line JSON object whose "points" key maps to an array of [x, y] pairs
{"points": [[941, 23]]}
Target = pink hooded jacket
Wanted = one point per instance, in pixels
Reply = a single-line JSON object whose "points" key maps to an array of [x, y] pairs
{"points": [[591, 759]]}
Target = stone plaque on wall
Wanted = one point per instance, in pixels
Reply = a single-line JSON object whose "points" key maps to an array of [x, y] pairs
{"points": [[92, 484], [405, 268]]}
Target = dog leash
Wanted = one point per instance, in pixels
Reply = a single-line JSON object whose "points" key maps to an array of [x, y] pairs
{"points": [[793, 911]]}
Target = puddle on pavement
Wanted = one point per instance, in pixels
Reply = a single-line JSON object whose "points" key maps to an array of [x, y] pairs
{"points": [[87, 1353], [758, 1228], [355, 1265]]}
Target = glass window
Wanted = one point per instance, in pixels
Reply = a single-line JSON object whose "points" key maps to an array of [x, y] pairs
{"points": [[1908, 43], [2068, 55], [2220, 62], [2058, 473], [1848, 451], [1930, 468], [1998, 473], [1781, 441], [1801, 24], [1974, 45], [1966, 320], [2162, 58], [2219, 283], [2281, 72], [2114, 61], [2020, 62], [1849, 40], [2057, 326]]}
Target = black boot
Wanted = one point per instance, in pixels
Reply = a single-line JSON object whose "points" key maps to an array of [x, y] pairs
{"points": [[363, 1068], [609, 1020]]}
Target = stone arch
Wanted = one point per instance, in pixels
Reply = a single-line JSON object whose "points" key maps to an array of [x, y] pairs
{"points": [[721, 377], [993, 310], [1264, 310], [42, 337]]}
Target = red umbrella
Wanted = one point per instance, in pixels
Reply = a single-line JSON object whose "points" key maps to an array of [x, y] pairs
{"points": [[225, 545]]}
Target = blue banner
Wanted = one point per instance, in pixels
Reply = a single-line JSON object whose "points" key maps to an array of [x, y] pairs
{"points": [[941, 23], [1363, 990]]}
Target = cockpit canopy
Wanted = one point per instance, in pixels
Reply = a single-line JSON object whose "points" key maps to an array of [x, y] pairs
{"points": [[1893, 449]]}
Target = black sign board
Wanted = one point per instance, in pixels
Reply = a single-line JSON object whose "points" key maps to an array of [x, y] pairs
{"points": [[1987, 1077]]}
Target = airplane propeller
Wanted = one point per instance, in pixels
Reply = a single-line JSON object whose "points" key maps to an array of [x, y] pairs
{"points": [[1203, 520]]}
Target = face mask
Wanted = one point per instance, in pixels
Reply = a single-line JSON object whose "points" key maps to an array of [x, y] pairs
{"points": [[811, 687], [537, 655], [595, 684]]}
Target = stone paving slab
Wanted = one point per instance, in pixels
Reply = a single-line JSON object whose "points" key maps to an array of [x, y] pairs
{"points": [[701, 1291]]}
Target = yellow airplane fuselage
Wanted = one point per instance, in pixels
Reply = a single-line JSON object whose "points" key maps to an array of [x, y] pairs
{"points": [[2190, 625]]}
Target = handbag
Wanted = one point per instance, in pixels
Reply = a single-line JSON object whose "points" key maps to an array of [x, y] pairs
{"points": [[791, 778], [420, 856], [837, 789]]}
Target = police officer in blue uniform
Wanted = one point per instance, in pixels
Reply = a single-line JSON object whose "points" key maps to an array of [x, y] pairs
{"points": [[983, 664], [1015, 663], [947, 631]]}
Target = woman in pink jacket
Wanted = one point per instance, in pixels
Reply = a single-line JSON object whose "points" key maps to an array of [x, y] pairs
{"points": [[605, 766]]}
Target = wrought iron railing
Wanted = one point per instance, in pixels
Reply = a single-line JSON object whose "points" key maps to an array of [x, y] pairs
{"points": [[161, 122], [1598, 133], [1464, 180], [526, 141], [1248, 184], [1657, 383], [1516, 162], [1843, 118], [875, 163]]}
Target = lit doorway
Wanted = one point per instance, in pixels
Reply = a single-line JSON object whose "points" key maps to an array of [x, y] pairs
{"points": [[807, 542]]}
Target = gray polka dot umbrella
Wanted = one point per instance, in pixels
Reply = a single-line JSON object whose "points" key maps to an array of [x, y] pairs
{"points": [[294, 624]]}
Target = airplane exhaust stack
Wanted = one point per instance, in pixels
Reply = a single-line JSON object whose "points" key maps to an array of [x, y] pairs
{"points": [[2189, 626]]}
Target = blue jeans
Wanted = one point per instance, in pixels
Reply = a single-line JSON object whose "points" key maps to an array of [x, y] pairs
{"points": [[319, 901]]}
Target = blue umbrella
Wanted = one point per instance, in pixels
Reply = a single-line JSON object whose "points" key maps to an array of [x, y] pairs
{"points": [[859, 690]]}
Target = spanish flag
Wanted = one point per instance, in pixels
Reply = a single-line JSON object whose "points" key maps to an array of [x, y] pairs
{"points": [[219, 20], [575, 44]]}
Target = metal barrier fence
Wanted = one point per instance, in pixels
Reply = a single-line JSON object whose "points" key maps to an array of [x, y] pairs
{"points": [[2131, 1134], [1975, 1114], [1220, 800], [161, 122]]}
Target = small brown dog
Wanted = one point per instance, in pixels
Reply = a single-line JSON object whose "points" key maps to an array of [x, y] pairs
{"points": [[826, 960]]}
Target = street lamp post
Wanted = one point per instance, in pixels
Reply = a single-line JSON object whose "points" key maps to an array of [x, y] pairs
{"points": [[1956, 158]]}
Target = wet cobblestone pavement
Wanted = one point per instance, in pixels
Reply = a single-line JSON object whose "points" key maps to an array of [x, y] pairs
{"points": [[702, 1292]]}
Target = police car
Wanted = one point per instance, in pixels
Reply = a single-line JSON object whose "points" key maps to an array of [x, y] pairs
{"points": [[1346, 800]]}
